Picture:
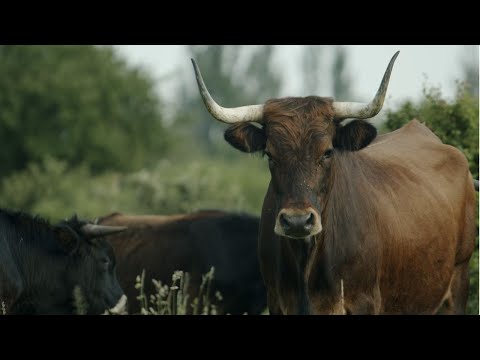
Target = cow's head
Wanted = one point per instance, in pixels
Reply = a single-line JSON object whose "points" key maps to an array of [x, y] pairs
{"points": [[300, 137], [91, 265]]}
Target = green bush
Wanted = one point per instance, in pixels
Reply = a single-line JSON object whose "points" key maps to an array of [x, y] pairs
{"points": [[455, 122], [54, 191], [472, 305], [80, 104]]}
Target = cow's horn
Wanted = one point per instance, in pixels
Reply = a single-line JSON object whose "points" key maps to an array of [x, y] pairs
{"points": [[345, 110], [120, 306], [92, 231], [226, 115]]}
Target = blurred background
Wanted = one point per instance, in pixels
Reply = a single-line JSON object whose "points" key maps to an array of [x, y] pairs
{"points": [[96, 129]]}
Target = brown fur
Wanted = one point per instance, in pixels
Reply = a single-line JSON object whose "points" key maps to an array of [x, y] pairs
{"points": [[398, 215], [162, 244]]}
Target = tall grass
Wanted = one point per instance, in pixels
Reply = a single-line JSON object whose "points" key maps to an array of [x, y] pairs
{"points": [[80, 305], [174, 299]]}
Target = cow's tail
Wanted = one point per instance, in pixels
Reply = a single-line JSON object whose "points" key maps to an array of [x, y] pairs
{"points": [[475, 183]]}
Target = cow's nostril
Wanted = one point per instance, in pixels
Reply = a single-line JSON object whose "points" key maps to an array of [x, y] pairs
{"points": [[284, 222], [311, 220]]}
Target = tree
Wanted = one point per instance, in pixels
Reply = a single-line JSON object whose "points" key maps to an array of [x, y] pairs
{"points": [[470, 68], [336, 80], [235, 76], [80, 104], [311, 66], [340, 77]]}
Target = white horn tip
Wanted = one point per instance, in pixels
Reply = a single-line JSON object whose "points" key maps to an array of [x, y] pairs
{"points": [[120, 306]]}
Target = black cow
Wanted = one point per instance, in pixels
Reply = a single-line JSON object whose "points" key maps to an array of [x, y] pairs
{"points": [[42, 264]]}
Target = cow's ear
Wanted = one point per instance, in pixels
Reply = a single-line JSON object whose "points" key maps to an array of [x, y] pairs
{"points": [[354, 136], [67, 239], [246, 137]]}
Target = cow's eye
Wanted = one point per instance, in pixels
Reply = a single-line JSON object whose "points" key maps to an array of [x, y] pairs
{"points": [[328, 153], [271, 162], [106, 263]]}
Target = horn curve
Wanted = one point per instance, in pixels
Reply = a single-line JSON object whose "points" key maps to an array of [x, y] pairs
{"points": [[92, 231], [227, 115], [345, 110]]}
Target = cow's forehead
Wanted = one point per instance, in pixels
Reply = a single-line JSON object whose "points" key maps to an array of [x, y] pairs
{"points": [[297, 120], [298, 125], [310, 107], [298, 134], [100, 244]]}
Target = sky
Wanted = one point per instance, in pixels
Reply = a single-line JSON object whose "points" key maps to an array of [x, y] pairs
{"points": [[440, 65]]}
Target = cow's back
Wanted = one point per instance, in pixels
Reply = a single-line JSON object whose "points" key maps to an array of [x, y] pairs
{"points": [[426, 215]]}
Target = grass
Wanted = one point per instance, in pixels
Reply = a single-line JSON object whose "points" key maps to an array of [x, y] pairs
{"points": [[80, 305], [174, 299]]}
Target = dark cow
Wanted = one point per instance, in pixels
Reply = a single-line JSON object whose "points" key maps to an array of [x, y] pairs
{"points": [[41, 265], [351, 222], [192, 243]]}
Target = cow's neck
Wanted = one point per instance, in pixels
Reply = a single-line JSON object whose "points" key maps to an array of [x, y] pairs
{"points": [[297, 253], [348, 220], [41, 277]]}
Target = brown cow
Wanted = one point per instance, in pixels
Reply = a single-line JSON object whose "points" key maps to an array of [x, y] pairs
{"points": [[192, 243], [351, 222]]}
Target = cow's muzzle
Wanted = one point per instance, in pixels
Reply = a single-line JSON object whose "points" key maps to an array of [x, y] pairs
{"points": [[298, 223]]}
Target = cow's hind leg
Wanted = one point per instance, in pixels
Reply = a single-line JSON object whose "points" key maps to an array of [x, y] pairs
{"points": [[273, 304], [459, 289], [456, 299]]}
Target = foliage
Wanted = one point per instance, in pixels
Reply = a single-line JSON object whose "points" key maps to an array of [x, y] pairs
{"points": [[80, 104], [472, 304], [312, 57], [341, 77], [53, 190], [470, 68], [454, 122], [333, 79]]}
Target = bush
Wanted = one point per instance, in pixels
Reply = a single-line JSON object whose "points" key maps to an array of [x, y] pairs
{"points": [[54, 191], [80, 104], [472, 305], [454, 122]]}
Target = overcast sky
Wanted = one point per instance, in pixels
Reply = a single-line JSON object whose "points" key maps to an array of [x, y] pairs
{"points": [[440, 64]]}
